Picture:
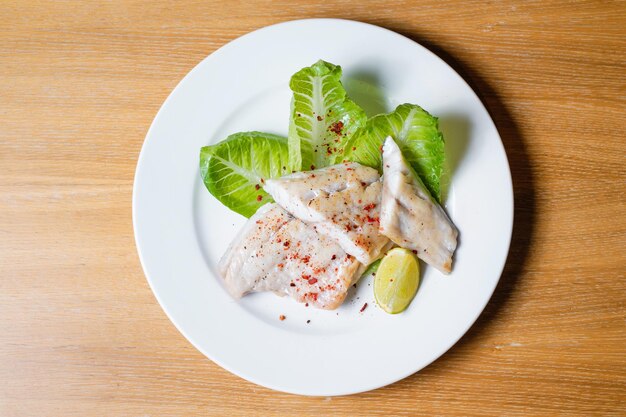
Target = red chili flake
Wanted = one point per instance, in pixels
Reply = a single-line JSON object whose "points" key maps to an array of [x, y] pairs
{"points": [[363, 308], [306, 277], [282, 317], [312, 281], [286, 244], [312, 167], [381, 148], [292, 285], [414, 251], [306, 304], [348, 228], [259, 222], [354, 148], [259, 197], [312, 175], [333, 257], [372, 219], [319, 270], [306, 259], [349, 169], [262, 181], [319, 118], [256, 187], [336, 127], [281, 266], [369, 207], [360, 201]]}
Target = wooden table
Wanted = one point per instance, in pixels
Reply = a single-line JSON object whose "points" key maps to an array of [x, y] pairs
{"points": [[82, 335]]}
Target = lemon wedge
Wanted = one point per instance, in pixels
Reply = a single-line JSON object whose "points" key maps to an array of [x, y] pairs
{"points": [[397, 280]]}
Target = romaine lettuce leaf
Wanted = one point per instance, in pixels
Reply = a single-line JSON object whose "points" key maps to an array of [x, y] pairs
{"points": [[371, 268], [322, 117], [415, 131], [234, 170]]}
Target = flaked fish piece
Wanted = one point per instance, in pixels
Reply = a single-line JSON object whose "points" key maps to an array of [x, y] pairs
{"points": [[341, 201], [410, 217], [277, 252]]}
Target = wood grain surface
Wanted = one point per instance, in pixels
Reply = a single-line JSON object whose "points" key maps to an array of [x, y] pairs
{"points": [[82, 335]]}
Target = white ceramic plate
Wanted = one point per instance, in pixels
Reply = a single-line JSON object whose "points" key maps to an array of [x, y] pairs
{"points": [[181, 230]]}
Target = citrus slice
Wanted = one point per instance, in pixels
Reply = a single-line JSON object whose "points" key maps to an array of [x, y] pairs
{"points": [[396, 281]]}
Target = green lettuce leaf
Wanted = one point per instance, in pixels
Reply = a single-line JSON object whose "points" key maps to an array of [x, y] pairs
{"points": [[322, 118], [415, 131], [371, 268], [234, 169]]}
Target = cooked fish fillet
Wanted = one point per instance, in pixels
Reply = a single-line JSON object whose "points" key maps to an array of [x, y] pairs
{"points": [[341, 201], [410, 216], [277, 252]]}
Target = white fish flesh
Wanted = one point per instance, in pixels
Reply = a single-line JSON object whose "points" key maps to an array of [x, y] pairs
{"points": [[277, 252], [410, 217], [342, 202]]}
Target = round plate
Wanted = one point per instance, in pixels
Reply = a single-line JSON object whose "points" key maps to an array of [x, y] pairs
{"points": [[181, 230]]}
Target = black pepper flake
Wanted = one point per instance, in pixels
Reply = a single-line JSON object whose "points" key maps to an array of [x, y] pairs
{"points": [[308, 321]]}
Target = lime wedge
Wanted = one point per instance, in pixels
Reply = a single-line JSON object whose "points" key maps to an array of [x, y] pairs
{"points": [[396, 280]]}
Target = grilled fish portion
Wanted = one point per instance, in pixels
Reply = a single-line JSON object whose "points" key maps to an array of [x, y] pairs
{"points": [[342, 202], [410, 217], [277, 252]]}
